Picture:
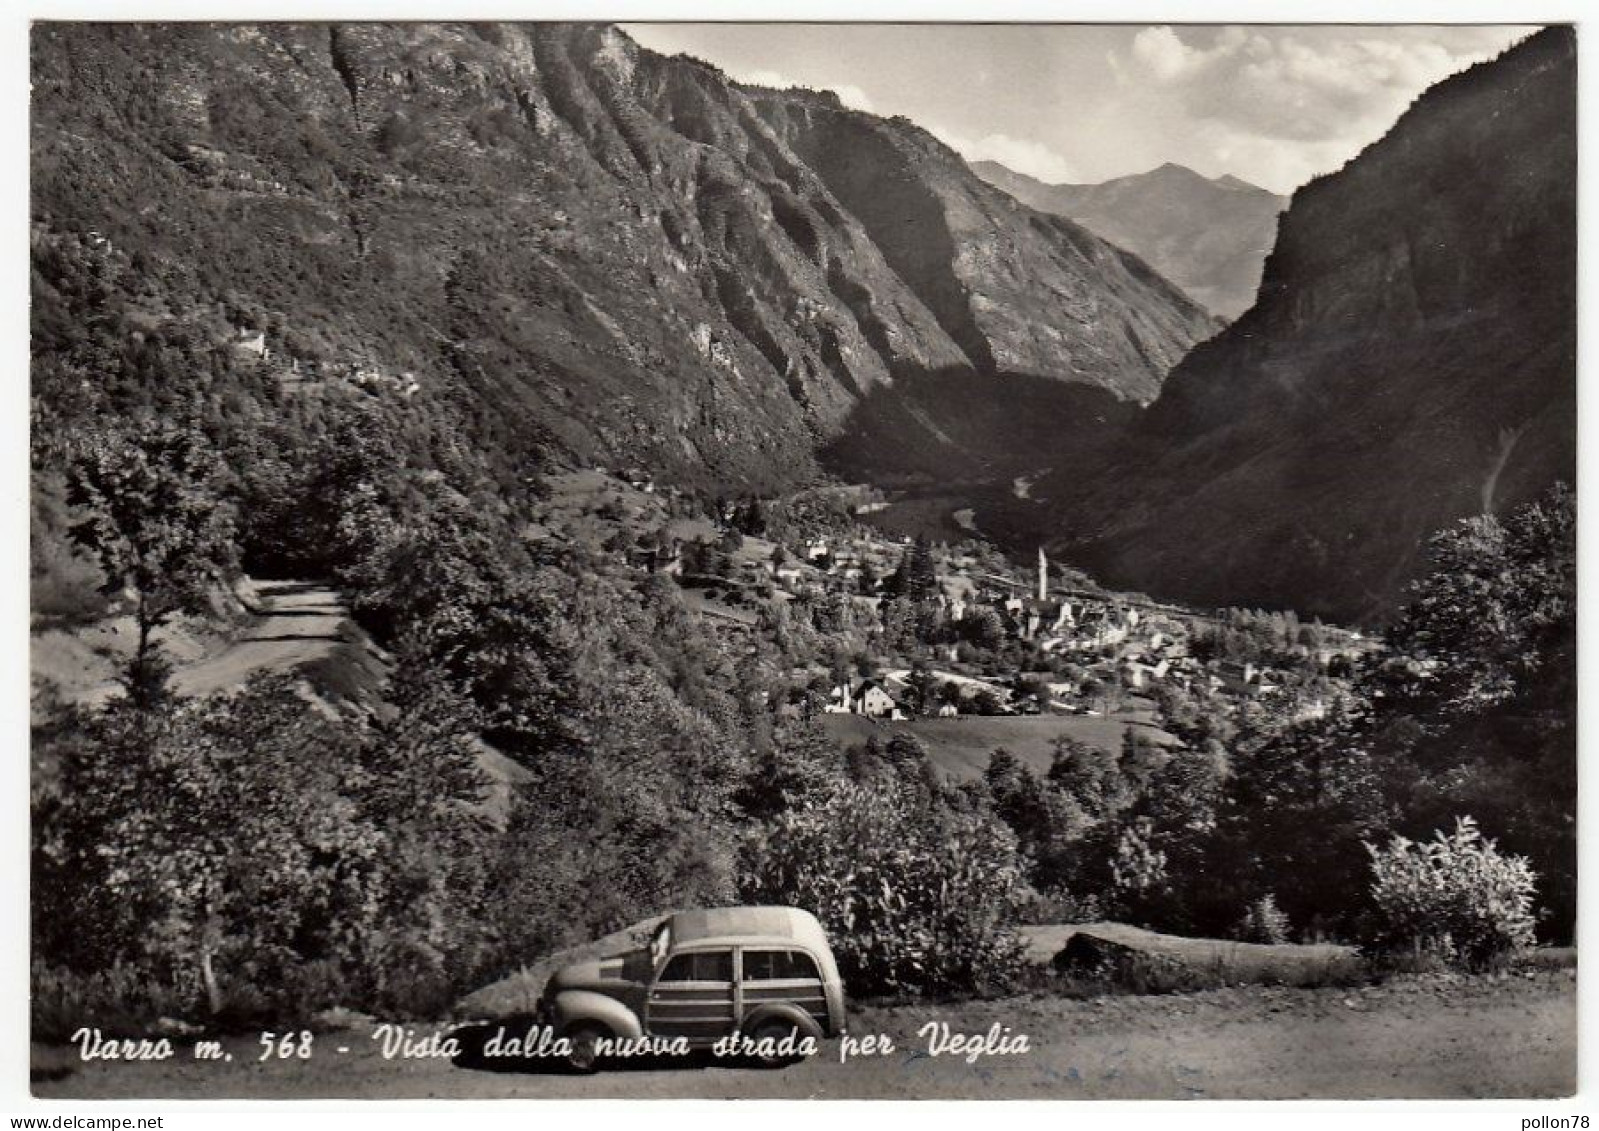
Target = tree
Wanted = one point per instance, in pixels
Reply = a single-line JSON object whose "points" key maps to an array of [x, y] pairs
{"points": [[985, 702], [591, 846], [921, 690], [154, 519], [915, 896], [422, 752], [1498, 596], [1089, 775], [1049, 824], [1034, 693], [1141, 758], [210, 843], [1018, 798], [982, 627], [921, 575], [750, 517], [894, 584], [908, 756], [1476, 711], [696, 558], [797, 769]]}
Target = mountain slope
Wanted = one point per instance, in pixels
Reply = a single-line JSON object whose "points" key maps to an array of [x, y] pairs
{"points": [[1019, 291], [605, 254], [1411, 361], [1209, 236]]}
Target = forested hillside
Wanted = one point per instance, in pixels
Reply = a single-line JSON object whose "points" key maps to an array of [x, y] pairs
{"points": [[589, 249]]}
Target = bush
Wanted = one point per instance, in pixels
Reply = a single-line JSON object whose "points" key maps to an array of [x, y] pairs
{"points": [[1263, 922], [120, 1001], [1064, 906], [1454, 898], [66, 589], [915, 897]]}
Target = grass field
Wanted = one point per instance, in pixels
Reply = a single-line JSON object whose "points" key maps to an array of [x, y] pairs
{"points": [[961, 746]]}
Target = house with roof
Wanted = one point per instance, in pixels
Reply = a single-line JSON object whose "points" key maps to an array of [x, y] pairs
{"points": [[868, 697], [1137, 672], [659, 553], [1245, 679], [251, 342]]}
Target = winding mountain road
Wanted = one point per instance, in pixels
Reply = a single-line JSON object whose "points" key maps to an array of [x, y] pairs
{"points": [[299, 622]]}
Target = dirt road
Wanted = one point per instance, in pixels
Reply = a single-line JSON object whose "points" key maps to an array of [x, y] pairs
{"points": [[298, 622], [294, 623], [1432, 1038]]}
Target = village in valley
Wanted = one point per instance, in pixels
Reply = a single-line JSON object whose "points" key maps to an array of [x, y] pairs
{"points": [[884, 628], [952, 643]]}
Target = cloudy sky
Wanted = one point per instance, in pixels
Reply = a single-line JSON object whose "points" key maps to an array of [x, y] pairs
{"points": [[1274, 105]]}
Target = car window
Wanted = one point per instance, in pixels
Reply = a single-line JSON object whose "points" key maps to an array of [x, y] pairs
{"points": [[778, 965], [700, 966]]}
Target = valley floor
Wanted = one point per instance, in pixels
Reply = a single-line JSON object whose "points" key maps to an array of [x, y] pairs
{"points": [[960, 747], [1432, 1037]]}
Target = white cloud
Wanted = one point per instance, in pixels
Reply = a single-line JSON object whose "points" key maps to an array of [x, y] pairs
{"points": [[1166, 56], [766, 78], [1279, 105], [1019, 154], [1272, 163], [1302, 84], [851, 96], [1118, 69]]}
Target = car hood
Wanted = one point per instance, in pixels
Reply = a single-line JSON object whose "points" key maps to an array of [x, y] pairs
{"points": [[614, 971]]}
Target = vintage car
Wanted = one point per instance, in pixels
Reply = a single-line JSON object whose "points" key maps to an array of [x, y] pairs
{"points": [[758, 979]]}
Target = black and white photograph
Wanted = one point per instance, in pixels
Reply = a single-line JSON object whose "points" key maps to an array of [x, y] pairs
{"points": [[644, 560]]}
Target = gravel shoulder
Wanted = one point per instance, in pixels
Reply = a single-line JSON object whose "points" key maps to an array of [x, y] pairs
{"points": [[1422, 1037]]}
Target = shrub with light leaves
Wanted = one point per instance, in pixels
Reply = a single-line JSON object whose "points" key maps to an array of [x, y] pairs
{"points": [[1454, 898], [915, 896], [1263, 922]]}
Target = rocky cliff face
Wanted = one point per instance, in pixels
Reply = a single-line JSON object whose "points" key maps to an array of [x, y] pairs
{"points": [[1018, 291], [1411, 361], [627, 256], [1210, 236]]}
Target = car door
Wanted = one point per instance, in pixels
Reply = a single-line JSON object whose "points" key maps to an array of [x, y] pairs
{"points": [[781, 975], [693, 997]]}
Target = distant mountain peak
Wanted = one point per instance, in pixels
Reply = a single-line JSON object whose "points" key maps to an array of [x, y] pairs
{"points": [[1227, 180], [1207, 235]]}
